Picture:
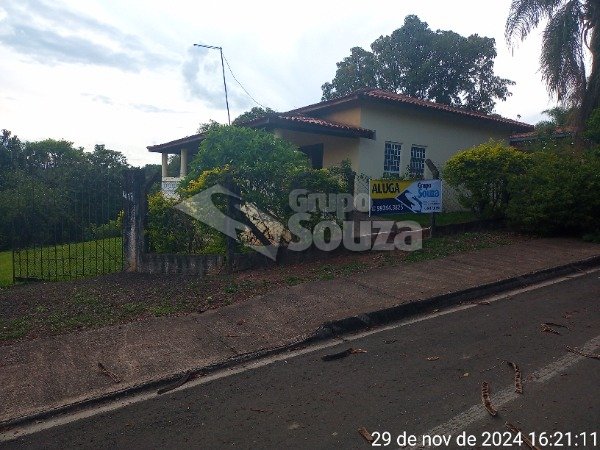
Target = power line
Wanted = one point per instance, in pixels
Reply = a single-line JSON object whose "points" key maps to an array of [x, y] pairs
{"points": [[244, 89]]}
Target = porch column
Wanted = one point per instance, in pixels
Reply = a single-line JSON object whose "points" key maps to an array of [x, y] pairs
{"points": [[184, 162], [165, 165]]}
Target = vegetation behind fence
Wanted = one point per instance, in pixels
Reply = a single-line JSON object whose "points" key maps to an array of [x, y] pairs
{"points": [[60, 208]]}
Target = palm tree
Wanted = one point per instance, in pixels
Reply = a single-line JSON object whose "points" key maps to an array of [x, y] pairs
{"points": [[571, 25]]}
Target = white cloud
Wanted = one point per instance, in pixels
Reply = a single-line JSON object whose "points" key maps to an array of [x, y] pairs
{"points": [[126, 73]]}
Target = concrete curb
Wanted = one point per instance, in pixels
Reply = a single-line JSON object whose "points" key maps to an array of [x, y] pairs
{"points": [[326, 331]]}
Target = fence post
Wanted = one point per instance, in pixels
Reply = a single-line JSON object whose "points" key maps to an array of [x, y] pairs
{"points": [[435, 172], [133, 220]]}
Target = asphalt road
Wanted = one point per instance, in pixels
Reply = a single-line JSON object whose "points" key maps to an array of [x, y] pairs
{"points": [[422, 378]]}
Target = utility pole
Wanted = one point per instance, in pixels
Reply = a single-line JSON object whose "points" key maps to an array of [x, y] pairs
{"points": [[223, 68]]}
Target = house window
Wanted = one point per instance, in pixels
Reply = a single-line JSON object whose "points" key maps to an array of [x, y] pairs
{"points": [[391, 161], [416, 168]]}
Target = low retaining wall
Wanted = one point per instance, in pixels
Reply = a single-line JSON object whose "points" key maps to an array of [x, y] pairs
{"points": [[202, 265]]}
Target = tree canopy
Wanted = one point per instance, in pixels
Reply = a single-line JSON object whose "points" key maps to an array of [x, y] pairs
{"points": [[571, 24], [254, 113], [441, 66], [43, 183]]}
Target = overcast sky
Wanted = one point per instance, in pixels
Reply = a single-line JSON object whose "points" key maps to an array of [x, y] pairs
{"points": [[126, 74]]}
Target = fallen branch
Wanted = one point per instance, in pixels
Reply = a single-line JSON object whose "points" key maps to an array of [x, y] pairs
{"points": [[547, 329], [340, 355], [518, 383], [108, 373], [579, 352], [516, 430], [184, 379], [554, 324], [366, 435], [268, 411], [485, 398]]}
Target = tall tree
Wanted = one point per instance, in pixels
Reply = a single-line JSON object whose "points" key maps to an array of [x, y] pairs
{"points": [[571, 25], [254, 113], [559, 119], [441, 66]]}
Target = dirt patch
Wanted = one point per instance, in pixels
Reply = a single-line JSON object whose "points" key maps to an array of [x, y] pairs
{"points": [[33, 310]]}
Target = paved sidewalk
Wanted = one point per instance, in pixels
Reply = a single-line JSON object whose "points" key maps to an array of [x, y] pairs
{"points": [[42, 374]]}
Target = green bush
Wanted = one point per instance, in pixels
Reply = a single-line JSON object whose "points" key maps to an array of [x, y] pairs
{"points": [[171, 231], [592, 129], [558, 194], [481, 175], [262, 168]]}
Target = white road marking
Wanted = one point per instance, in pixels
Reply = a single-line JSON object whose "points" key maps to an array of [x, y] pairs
{"points": [[477, 412], [17, 432]]}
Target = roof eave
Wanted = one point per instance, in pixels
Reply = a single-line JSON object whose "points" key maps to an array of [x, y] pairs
{"points": [[270, 123], [174, 147]]}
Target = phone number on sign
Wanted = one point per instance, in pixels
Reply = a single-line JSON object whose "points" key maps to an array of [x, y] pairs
{"points": [[380, 208], [488, 439]]}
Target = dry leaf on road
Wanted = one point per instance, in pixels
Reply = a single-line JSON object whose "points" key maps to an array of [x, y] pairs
{"points": [[108, 373], [366, 435], [547, 329], [485, 398], [348, 352]]}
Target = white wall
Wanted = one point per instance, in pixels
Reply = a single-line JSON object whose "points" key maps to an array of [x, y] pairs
{"points": [[441, 135]]}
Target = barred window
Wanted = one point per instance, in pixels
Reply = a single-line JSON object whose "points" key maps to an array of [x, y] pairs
{"points": [[416, 167], [391, 161]]}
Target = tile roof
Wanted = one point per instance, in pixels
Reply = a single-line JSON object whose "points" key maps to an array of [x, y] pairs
{"points": [[531, 135], [287, 121], [392, 97], [194, 139], [306, 123]]}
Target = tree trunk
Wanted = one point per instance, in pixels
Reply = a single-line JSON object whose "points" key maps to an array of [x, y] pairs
{"points": [[591, 99]]}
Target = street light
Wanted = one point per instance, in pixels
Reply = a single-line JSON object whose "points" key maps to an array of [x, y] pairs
{"points": [[224, 82]]}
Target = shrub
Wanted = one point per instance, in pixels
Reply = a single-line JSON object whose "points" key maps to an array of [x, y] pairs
{"points": [[171, 231], [481, 175], [262, 168], [558, 194], [592, 129]]}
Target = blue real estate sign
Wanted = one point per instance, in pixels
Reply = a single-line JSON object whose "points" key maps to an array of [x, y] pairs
{"points": [[399, 196]]}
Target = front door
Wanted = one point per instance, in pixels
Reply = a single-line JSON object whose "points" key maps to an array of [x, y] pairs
{"points": [[315, 155]]}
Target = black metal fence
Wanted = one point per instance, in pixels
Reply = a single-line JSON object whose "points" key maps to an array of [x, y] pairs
{"points": [[63, 233]]}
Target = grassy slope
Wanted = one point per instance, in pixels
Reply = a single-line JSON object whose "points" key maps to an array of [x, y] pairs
{"points": [[63, 262], [85, 306], [6, 268]]}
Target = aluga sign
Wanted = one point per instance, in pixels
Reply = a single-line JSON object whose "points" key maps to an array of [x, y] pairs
{"points": [[399, 196]]}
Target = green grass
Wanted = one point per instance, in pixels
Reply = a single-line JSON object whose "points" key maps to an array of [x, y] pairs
{"points": [[65, 262], [445, 246], [83, 305], [6, 272], [15, 329], [448, 218]]}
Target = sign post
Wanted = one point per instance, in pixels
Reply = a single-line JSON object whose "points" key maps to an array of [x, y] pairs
{"points": [[436, 176]]}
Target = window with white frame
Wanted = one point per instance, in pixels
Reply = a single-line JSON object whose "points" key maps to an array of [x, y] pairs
{"points": [[391, 161], [416, 168]]}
